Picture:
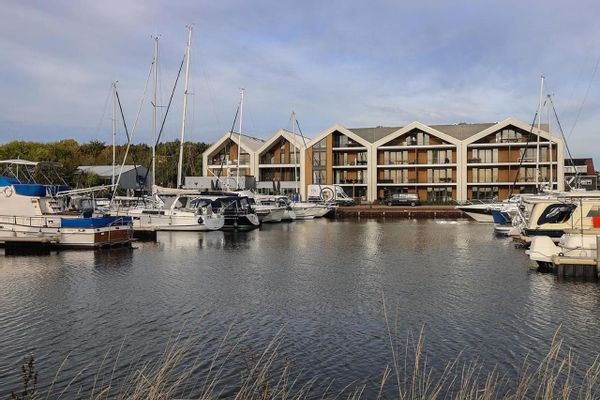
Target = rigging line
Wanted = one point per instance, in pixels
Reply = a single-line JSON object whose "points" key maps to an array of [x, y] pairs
{"points": [[126, 149], [512, 187], [587, 92], [162, 125], [99, 126], [237, 111], [562, 133], [135, 123]]}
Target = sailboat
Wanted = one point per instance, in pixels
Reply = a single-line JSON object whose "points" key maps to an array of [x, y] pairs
{"points": [[174, 209]]}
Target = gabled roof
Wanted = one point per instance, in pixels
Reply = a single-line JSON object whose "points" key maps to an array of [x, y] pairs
{"points": [[416, 125], [341, 129], [516, 123], [107, 170], [248, 143], [291, 137]]}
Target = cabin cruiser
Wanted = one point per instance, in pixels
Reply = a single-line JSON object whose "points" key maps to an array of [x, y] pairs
{"points": [[271, 209], [237, 211], [554, 216], [42, 213], [172, 210]]}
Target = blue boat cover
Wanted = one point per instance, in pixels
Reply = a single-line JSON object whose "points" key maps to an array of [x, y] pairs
{"points": [[30, 189], [6, 181], [99, 222]]}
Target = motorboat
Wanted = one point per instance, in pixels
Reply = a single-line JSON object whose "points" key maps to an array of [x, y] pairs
{"points": [[555, 215], [38, 213], [237, 211], [573, 244]]}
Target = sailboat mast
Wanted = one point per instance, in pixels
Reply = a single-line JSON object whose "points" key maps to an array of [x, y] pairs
{"points": [[154, 113], [539, 131], [239, 146], [296, 152], [185, 95], [550, 146], [114, 131]]}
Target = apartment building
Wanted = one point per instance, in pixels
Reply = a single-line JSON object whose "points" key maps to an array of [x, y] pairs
{"points": [[221, 159], [439, 163], [279, 164]]}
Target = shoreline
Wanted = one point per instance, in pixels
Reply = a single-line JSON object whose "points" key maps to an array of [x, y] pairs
{"points": [[400, 212]]}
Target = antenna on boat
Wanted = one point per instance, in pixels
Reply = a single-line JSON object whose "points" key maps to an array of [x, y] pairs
{"points": [[185, 95], [154, 113], [239, 146], [537, 152]]}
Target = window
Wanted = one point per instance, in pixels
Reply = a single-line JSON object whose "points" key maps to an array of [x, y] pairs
{"points": [[282, 153], [394, 176], [439, 175], [556, 214], [320, 159], [439, 194], [484, 156], [439, 156], [320, 177], [485, 175], [484, 192], [508, 135]]}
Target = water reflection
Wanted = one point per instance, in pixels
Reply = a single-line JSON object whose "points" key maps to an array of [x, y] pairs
{"points": [[322, 280]]}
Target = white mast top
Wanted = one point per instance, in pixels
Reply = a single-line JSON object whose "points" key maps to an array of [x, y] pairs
{"points": [[239, 146], [114, 132], [185, 94], [539, 131], [154, 114]]}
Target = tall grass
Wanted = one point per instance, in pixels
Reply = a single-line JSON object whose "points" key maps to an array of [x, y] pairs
{"points": [[270, 375]]}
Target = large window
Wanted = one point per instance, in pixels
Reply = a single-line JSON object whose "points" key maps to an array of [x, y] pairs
{"points": [[395, 157], [508, 135], [439, 175], [320, 159], [416, 138], [485, 175], [394, 176], [439, 194], [340, 140], [484, 192], [439, 156], [320, 177], [484, 156]]}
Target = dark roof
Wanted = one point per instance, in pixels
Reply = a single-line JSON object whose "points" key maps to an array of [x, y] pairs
{"points": [[460, 131], [374, 134]]}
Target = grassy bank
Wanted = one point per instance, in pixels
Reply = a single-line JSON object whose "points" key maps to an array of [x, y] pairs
{"points": [[270, 375]]}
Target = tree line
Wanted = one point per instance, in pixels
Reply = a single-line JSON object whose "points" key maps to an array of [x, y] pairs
{"points": [[71, 154]]}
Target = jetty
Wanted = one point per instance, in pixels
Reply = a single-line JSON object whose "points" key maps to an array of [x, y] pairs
{"points": [[400, 212]]}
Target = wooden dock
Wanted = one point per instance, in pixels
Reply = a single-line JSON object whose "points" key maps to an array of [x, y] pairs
{"points": [[400, 212]]}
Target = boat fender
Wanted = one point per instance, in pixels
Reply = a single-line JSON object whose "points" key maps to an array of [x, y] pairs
{"points": [[8, 191], [200, 220]]}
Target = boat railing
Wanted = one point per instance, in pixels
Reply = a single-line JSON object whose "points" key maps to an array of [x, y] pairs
{"points": [[32, 222]]}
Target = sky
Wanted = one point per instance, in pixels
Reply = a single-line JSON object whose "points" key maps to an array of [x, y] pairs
{"points": [[356, 63]]}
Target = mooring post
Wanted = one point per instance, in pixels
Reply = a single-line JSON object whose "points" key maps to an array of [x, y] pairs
{"points": [[598, 256]]}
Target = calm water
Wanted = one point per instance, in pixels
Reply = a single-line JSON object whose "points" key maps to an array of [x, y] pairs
{"points": [[322, 282]]}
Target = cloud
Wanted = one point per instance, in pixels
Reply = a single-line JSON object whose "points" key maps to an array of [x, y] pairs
{"points": [[357, 63]]}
